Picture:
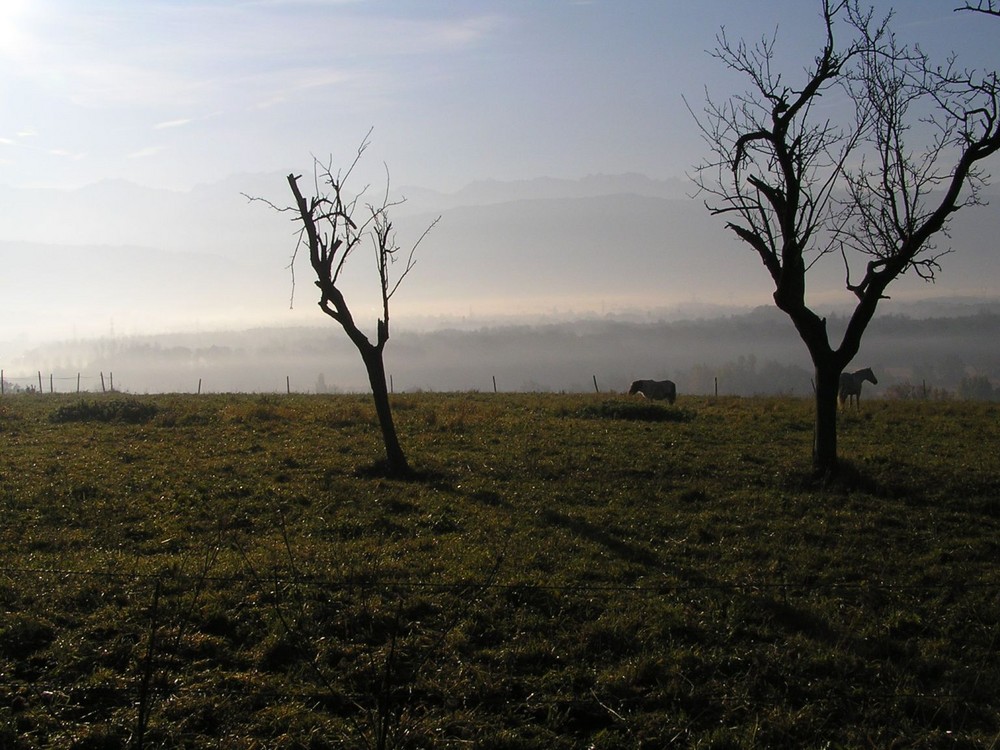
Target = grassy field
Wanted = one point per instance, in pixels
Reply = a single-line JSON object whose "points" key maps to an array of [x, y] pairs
{"points": [[566, 571]]}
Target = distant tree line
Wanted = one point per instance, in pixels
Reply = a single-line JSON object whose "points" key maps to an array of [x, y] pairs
{"points": [[970, 388], [742, 355]]}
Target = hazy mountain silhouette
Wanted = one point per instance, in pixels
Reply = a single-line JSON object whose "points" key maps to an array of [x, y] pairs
{"points": [[153, 259]]}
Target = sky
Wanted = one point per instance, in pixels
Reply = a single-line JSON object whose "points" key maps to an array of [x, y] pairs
{"points": [[174, 93], [178, 94]]}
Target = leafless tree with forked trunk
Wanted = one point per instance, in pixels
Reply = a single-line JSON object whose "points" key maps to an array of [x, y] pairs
{"points": [[333, 225], [875, 187]]}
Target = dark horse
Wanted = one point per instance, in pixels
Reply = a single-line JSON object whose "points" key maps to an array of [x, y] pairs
{"points": [[850, 385], [655, 389]]}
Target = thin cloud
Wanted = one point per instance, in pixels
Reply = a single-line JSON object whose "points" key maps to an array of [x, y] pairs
{"points": [[64, 154], [151, 54], [264, 104], [303, 3], [21, 143], [179, 123], [282, 86], [146, 152]]}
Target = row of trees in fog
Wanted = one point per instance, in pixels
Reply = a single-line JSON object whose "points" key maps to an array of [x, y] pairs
{"points": [[747, 354], [744, 376]]}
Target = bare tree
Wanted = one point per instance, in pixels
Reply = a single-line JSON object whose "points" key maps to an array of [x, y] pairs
{"points": [[989, 7], [876, 188], [333, 226]]}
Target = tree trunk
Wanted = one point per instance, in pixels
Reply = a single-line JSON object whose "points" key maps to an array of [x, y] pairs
{"points": [[825, 439], [395, 458]]}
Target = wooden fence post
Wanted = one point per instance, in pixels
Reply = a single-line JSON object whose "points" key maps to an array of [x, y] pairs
{"points": [[494, 383], [596, 389], [40, 389], [288, 384], [78, 382], [103, 389], [111, 375], [52, 386], [199, 386], [1, 383]]}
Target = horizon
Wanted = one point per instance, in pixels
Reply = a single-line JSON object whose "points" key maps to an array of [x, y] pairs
{"points": [[928, 345]]}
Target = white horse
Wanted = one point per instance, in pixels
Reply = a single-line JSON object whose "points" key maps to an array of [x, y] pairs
{"points": [[654, 389], [850, 385]]}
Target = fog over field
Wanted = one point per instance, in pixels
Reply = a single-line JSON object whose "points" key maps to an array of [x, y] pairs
{"points": [[750, 353], [543, 284]]}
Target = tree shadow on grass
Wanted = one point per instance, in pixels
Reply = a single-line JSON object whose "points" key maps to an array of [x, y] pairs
{"points": [[604, 536], [634, 410], [380, 470], [908, 484], [847, 478]]}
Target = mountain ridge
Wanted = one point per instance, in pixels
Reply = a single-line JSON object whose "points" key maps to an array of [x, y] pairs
{"points": [[545, 246]]}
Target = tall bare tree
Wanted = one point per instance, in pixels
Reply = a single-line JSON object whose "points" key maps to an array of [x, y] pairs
{"points": [[875, 188], [333, 226]]}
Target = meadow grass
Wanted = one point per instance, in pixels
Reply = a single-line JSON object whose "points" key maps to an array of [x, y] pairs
{"points": [[563, 571]]}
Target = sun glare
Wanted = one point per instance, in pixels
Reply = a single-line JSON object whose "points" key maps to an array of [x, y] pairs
{"points": [[12, 16]]}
